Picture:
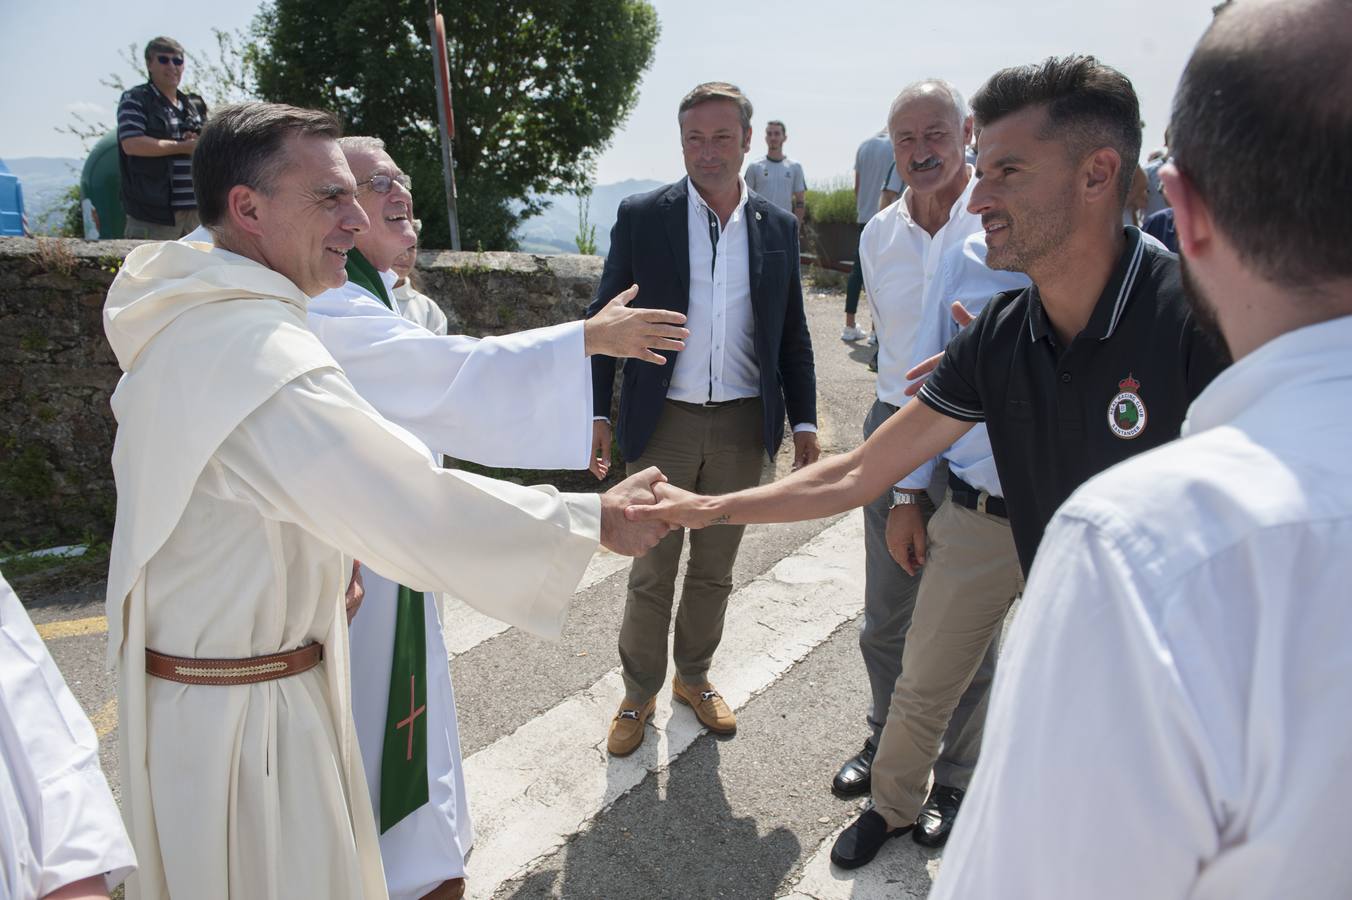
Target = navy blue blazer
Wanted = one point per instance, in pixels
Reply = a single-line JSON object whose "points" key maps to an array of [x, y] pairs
{"points": [[650, 247]]}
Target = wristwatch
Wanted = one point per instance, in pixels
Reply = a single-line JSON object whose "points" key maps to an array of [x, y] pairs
{"points": [[902, 498]]}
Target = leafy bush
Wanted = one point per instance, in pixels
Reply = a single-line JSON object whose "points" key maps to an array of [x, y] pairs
{"points": [[832, 201]]}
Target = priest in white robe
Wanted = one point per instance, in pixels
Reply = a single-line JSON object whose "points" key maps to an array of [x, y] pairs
{"points": [[515, 401], [518, 401], [60, 832], [249, 474], [412, 303]]}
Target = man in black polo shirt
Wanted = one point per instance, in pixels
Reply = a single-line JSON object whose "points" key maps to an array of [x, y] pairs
{"points": [[1094, 363], [157, 128]]}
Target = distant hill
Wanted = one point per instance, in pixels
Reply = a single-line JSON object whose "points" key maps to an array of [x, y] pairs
{"points": [[44, 180], [555, 230]]}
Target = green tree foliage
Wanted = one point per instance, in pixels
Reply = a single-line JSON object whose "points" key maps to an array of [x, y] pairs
{"points": [[539, 88], [65, 217]]}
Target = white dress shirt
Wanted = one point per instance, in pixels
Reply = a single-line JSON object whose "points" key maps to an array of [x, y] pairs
{"points": [[719, 359], [1171, 715], [899, 260], [963, 276], [58, 821]]}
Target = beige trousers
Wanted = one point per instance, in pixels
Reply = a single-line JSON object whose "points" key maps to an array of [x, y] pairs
{"points": [[970, 580], [710, 450]]}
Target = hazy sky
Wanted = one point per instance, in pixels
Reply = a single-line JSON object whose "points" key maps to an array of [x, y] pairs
{"points": [[828, 69]]}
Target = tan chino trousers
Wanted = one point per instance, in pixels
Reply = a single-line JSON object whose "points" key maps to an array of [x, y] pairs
{"points": [[710, 450], [970, 579]]}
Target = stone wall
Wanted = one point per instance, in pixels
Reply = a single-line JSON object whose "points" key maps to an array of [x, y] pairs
{"points": [[57, 372]]}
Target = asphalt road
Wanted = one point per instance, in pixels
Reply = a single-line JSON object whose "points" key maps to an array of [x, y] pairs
{"points": [[699, 816]]}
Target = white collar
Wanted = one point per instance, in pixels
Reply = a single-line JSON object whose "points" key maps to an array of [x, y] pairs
{"points": [[698, 204], [904, 201], [1289, 362]]}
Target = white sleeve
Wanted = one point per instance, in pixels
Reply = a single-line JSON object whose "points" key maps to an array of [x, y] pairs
{"points": [[933, 332], [867, 270], [49, 765], [318, 456], [470, 398], [1092, 780]]}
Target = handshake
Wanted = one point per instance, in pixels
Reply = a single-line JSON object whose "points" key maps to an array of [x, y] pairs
{"points": [[641, 510]]}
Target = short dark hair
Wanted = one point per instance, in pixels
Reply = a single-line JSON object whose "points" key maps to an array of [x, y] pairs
{"points": [[1089, 105], [242, 144], [718, 90], [163, 44], [782, 127], [1262, 127]]}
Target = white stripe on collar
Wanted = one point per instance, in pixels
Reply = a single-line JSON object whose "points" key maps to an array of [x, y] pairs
{"points": [[1128, 281]]}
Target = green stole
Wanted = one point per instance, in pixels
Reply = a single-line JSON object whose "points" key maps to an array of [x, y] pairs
{"points": [[403, 761]]}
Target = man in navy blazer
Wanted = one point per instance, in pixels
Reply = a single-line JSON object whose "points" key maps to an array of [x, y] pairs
{"points": [[711, 413]]}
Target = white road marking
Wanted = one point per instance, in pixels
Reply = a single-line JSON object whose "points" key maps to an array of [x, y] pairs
{"points": [[531, 790], [901, 869]]}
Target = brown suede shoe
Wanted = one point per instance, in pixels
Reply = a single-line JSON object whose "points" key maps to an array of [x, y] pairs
{"points": [[626, 729], [709, 707]]}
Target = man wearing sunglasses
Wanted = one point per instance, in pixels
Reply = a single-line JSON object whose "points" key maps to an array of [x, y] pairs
{"points": [[157, 128]]}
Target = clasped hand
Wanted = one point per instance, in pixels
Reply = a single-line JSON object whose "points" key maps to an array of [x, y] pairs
{"points": [[632, 536], [640, 511]]}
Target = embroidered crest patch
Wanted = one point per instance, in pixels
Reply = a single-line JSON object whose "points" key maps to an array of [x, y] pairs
{"points": [[1126, 414]]}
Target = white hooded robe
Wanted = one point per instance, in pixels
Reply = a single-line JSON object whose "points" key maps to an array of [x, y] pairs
{"points": [[249, 474]]}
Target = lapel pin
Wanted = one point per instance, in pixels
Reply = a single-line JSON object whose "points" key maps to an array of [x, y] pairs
{"points": [[758, 216]]}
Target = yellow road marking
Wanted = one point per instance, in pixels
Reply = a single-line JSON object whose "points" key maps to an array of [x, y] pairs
{"points": [[73, 628], [105, 720]]}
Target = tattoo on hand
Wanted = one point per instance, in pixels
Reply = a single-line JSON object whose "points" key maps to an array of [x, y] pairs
{"points": [[720, 520]]}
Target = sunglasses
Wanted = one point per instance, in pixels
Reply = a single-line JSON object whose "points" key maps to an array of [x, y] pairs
{"points": [[166, 60], [381, 184]]}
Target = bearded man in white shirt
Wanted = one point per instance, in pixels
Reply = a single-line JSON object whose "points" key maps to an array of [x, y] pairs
{"points": [[900, 252], [1171, 709], [249, 474]]}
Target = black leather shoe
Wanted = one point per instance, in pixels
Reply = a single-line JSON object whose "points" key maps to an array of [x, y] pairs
{"points": [[862, 840], [937, 816], [855, 777]]}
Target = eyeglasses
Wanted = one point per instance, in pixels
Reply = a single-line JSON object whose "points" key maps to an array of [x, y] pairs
{"points": [[381, 184], [166, 60]]}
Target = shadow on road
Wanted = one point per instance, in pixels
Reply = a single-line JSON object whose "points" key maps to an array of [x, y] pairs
{"points": [[674, 836]]}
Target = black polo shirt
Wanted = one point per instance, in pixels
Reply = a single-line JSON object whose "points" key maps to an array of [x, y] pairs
{"points": [[1058, 416]]}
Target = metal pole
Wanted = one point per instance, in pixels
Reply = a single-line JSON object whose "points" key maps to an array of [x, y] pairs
{"points": [[441, 74]]}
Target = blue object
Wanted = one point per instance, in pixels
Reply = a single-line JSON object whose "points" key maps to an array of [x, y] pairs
{"points": [[11, 202]]}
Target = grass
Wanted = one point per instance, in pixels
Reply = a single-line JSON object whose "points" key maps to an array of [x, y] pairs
{"points": [[832, 205], [825, 279], [34, 575]]}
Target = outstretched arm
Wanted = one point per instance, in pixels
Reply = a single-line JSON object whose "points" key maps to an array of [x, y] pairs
{"points": [[830, 486]]}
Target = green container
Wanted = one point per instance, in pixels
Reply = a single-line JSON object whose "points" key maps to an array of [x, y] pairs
{"points": [[101, 185]]}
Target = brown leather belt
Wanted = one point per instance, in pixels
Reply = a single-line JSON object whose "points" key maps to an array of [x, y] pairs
{"points": [[250, 670]]}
